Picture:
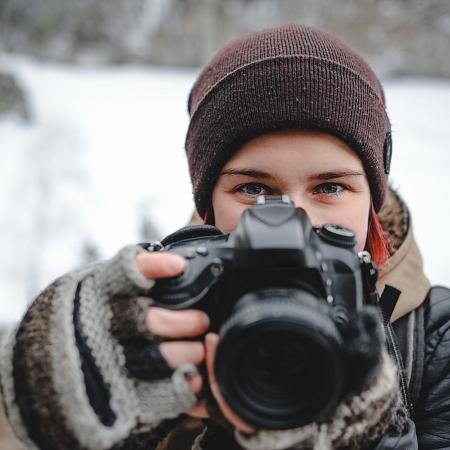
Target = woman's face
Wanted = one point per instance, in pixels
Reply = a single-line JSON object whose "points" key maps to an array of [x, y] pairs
{"points": [[319, 172]]}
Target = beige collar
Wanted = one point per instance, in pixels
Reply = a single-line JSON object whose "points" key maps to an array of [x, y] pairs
{"points": [[404, 270]]}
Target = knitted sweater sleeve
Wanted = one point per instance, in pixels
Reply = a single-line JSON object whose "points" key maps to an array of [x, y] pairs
{"points": [[65, 377]]}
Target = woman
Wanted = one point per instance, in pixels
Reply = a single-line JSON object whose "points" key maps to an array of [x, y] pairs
{"points": [[289, 110]]}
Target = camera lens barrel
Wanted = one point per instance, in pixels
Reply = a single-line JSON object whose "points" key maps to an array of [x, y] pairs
{"points": [[279, 362]]}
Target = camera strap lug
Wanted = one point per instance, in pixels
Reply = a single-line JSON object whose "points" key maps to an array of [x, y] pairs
{"points": [[154, 246], [369, 276]]}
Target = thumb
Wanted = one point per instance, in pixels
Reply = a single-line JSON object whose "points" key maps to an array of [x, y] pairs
{"points": [[211, 343]]}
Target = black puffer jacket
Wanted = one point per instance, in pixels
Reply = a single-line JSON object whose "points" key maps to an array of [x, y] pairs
{"points": [[432, 415], [431, 369], [421, 320]]}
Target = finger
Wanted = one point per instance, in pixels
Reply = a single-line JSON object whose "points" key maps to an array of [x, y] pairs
{"points": [[176, 324], [211, 342], [160, 265], [199, 411], [180, 352], [155, 362], [146, 362]]}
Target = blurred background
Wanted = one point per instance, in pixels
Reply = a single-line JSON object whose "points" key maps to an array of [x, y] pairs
{"points": [[93, 98]]}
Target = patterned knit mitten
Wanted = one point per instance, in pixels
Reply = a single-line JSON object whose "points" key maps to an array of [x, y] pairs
{"points": [[81, 371]]}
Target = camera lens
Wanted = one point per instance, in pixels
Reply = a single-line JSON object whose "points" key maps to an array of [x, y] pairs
{"points": [[278, 363]]}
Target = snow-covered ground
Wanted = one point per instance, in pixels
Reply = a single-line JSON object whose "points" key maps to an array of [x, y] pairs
{"points": [[105, 148]]}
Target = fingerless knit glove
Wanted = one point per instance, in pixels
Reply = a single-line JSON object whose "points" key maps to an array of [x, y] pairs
{"points": [[82, 371], [371, 407]]}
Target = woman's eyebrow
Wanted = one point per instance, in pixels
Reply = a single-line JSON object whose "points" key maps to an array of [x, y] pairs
{"points": [[336, 174], [248, 172], [318, 176]]}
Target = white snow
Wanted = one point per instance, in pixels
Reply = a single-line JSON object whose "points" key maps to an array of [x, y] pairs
{"points": [[106, 144]]}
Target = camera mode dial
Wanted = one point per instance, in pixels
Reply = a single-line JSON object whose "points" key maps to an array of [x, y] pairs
{"points": [[337, 235]]}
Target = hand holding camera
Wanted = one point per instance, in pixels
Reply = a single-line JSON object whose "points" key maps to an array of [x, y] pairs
{"points": [[175, 326]]}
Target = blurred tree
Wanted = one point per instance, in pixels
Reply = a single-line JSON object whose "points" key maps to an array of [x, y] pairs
{"points": [[397, 36], [89, 253], [49, 199], [12, 98]]}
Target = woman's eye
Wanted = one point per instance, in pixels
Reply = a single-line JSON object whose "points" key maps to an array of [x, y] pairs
{"points": [[252, 189], [329, 189]]}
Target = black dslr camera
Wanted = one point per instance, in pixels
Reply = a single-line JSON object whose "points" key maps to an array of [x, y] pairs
{"points": [[280, 293]]}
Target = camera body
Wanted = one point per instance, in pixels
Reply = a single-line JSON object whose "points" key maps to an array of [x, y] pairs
{"points": [[278, 291]]}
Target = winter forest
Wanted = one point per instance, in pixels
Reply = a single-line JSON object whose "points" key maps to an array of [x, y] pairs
{"points": [[93, 115]]}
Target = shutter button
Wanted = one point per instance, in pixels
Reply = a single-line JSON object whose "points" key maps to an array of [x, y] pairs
{"points": [[202, 250]]}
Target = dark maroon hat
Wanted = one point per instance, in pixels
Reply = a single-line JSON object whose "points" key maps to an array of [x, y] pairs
{"points": [[290, 77]]}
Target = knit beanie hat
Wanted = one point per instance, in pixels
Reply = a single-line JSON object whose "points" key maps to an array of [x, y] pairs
{"points": [[290, 77]]}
